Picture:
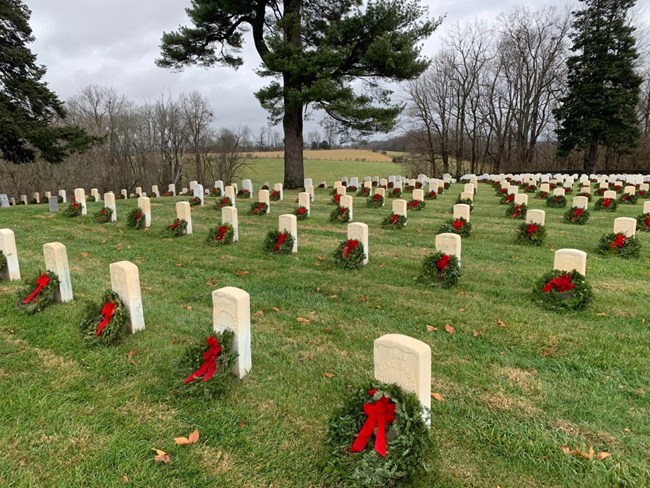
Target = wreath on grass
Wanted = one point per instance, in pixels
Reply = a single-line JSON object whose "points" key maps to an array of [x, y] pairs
{"points": [[586, 195], [223, 202], [216, 192], [394, 221], [628, 199], [74, 209], [350, 254], [195, 201], [432, 195], [506, 199], [576, 215], [340, 215], [244, 193], [567, 189], [3, 262], [278, 242], [135, 219], [458, 226], [556, 201], [499, 190], [352, 188], [176, 229], [402, 439], [395, 193], [376, 201], [606, 205], [275, 195], [207, 366], [265, 186], [542, 195], [531, 233], [259, 208], [301, 213], [517, 210], [641, 193], [39, 293], [418, 185], [390, 184], [440, 269], [44, 200], [91, 199], [221, 235], [409, 188], [105, 323], [601, 191], [643, 222], [336, 199], [619, 245], [560, 290], [416, 204], [168, 194], [59, 198], [364, 192], [447, 185], [530, 188], [104, 215]]}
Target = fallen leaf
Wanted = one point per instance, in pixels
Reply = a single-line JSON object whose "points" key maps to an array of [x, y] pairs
{"points": [[547, 352], [334, 298], [179, 265], [242, 424], [124, 479], [117, 247], [363, 299], [566, 450], [586, 455], [318, 289], [329, 374], [85, 254], [382, 265], [449, 329], [193, 438], [275, 309], [161, 456], [602, 455], [129, 357], [461, 309], [303, 320], [187, 307], [321, 258], [242, 273], [438, 397], [258, 314], [431, 328], [501, 323], [476, 333]]}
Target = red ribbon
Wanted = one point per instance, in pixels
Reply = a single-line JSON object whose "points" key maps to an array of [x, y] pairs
{"points": [[562, 283], [222, 232], [42, 282], [532, 228], [432, 194], [107, 313], [337, 198], [510, 198], [138, 214], [647, 222], [607, 202], [443, 262], [380, 414], [517, 212], [174, 224], [301, 210], [393, 219], [377, 197], [458, 224], [349, 248], [619, 241], [209, 366], [280, 241]]}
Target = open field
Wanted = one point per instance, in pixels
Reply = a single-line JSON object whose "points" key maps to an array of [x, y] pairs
{"points": [[357, 155], [514, 394]]}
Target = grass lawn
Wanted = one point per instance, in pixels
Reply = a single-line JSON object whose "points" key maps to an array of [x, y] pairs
{"points": [[514, 395]]}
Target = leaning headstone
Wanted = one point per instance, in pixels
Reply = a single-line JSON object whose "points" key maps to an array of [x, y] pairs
{"points": [[53, 204], [183, 211], [4, 201], [56, 260], [8, 248], [304, 200], [145, 205], [80, 198], [198, 193], [289, 223], [625, 225], [278, 187], [231, 193], [263, 196], [570, 259], [64, 197], [536, 217], [449, 243], [229, 216], [359, 232], [109, 201], [462, 210], [405, 361], [580, 202], [347, 202], [125, 281], [231, 310]]}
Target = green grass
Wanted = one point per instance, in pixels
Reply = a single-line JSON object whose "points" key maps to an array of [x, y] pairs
{"points": [[73, 416]]}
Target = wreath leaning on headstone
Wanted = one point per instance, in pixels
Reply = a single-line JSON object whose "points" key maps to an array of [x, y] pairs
{"points": [[394, 221], [104, 215], [440, 269], [517, 210], [619, 245], [221, 235], [278, 242], [561, 290], [301, 213], [74, 209], [375, 201], [628, 199], [340, 215], [556, 201], [259, 208], [576, 215], [643, 222], [223, 202], [349, 254], [531, 233], [176, 229], [606, 204], [105, 323], [135, 219], [378, 437], [458, 226], [39, 293], [416, 204], [207, 365]]}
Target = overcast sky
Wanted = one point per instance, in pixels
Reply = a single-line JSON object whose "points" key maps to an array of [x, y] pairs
{"points": [[115, 43]]}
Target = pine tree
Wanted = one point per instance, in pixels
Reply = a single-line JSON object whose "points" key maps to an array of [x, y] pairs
{"points": [[599, 108], [28, 109], [316, 50]]}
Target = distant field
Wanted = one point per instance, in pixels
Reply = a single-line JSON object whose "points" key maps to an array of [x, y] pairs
{"points": [[332, 155]]}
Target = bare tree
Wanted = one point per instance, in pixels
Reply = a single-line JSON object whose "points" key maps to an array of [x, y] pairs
{"points": [[197, 117]]}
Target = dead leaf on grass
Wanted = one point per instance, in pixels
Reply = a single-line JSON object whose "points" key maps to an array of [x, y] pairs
{"points": [[363, 299], [461, 309], [161, 456], [193, 438], [329, 374], [303, 320], [258, 314], [431, 328], [275, 309], [501, 323], [602, 455], [449, 329], [438, 397], [242, 273], [85, 254], [179, 265], [129, 357], [187, 307], [476, 333]]}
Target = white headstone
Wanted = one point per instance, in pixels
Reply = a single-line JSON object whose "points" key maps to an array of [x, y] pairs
{"points": [[138, 190], [347, 202], [199, 193], [545, 187], [646, 207], [625, 225], [248, 186], [184, 212], [558, 192], [467, 196], [95, 193], [449, 243], [536, 217], [231, 310], [383, 182], [80, 198], [418, 194], [400, 206], [521, 199], [310, 189], [359, 232], [469, 188], [580, 202], [192, 184], [8, 248], [278, 187], [219, 185], [308, 182], [172, 188], [629, 190], [63, 196], [289, 223], [570, 259], [382, 192], [229, 216], [231, 193], [354, 181], [155, 191], [56, 260], [124, 193], [36, 197], [53, 204], [263, 196], [4, 200], [125, 281], [304, 200], [341, 190], [145, 205], [611, 194], [462, 210], [109, 201]]}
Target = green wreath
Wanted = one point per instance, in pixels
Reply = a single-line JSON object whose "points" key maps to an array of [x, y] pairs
{"points": [[3, 262], [394, 221], [416, 204], [440, 269], [216, 192], [432, 195], [506, 198], [530, 188], [466, 201], [135, 219], [195, 201], [244, 193], [336, 199], [606, 205], [301, 213], [104, 215], [619, 245], [542, 195], [223, 202], [517, 210], [277, 242], [91, 199], [193, 359], [409, 441], [550, 293], [42, 299], [74, 209], [556, 201], [340, 215], [364, 191], [376, 201], [643, 222], [627, 199], [92, 328], [176, 229], [275, 195], [576, 215], [395, 193], [458, 226], [221, 235], [259, 208], [531, 233], [350, 254]]}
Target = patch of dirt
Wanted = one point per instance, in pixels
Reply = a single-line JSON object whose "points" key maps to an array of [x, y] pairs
{"points": [[500, 401]]}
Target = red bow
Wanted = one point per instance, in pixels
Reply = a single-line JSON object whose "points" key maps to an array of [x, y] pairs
{"points": [[647, 222], [349, 248], [619, 241], [302, 210], [222, 232], [280, 241], [510, 198], [517, 211], [393, 219], [562, 283], [107, 313], [443, 262], [209, 366], [578, 212], [377, 197], [42, 282], [458, 224], [337, 198], [380, 414], [607, 202], [532, 228]]}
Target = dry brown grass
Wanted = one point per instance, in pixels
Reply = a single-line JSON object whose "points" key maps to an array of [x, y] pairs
{"points": [[332, 155]]}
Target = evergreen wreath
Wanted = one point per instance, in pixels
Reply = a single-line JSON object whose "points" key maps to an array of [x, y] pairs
{"points": [[530, 188], [416, 204], [619, 245], [278, 242], [120, 197], [104, 215], [556, 201], [506, 198], [408, 445], [395, 193], [223, 202], [364, 192], [340, 215], [409, 188], [206, 366], [259, 208], [517, 210], [39, 293], [105, 323], [394, 221], [567, 189], [641, 193], [447, 185], [559, 290], [91, 199], [350, 254], [195, 201], [275, 195], [216, 192], [643, 222], [390, 185], [320, 185], [375, 201], [176, 229], [221, 235], [458, 226], [432, 195], [74, 209], [301, 213], [542, 195], [3, 262], [601, 191], [499, 190], [576, 215], [606, 205], [336, 199], [244, 193], [135, 219], [440, 269], [265, 186], [586, 195], [59, 198], [352, 189], [418, 185], [531, 233], [628, 199], [466, 201]]}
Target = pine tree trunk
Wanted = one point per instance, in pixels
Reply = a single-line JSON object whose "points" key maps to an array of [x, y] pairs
{"points": [[591, 156]]}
